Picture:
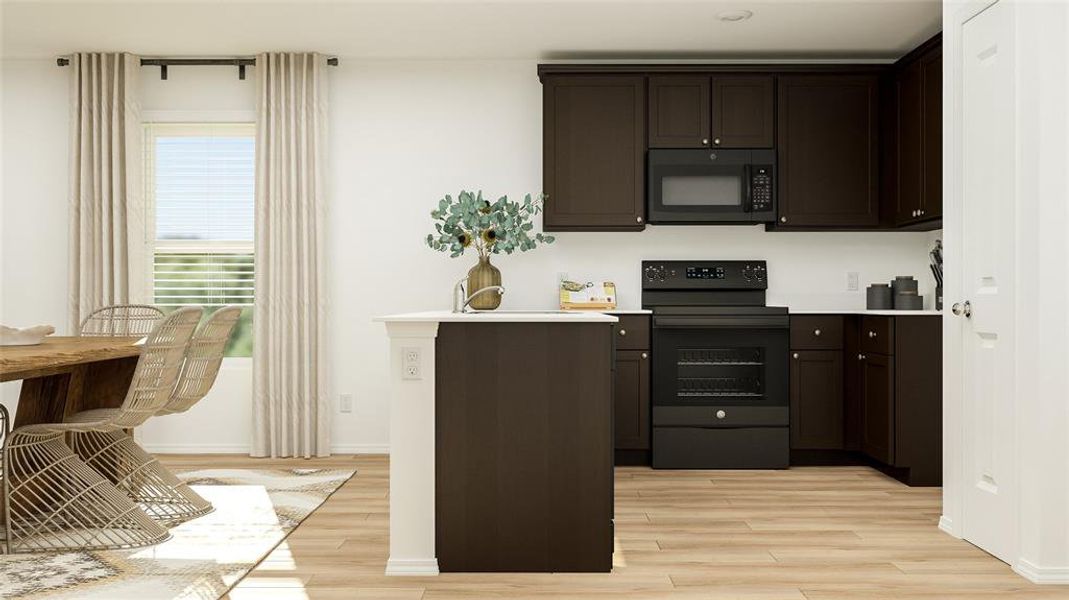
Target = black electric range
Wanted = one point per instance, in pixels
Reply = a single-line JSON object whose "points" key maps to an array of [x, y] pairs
{"points": [[719, 373]]}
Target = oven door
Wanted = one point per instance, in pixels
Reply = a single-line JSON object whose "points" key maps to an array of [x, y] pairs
{"points": [[699, 186], [705, 361]]}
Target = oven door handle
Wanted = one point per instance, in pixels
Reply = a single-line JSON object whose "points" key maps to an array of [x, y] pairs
{"points": [[734, 322]]}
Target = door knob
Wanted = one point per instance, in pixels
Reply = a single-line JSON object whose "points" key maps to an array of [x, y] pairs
{"points": [[721, 414], [644, 355], [795, 355], [962, 308]]}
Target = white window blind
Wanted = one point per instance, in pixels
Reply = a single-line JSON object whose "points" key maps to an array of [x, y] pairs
{"points": [[200, 182]]}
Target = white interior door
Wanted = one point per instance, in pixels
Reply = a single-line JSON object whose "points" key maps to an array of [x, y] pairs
{"points": [[988, 244]]}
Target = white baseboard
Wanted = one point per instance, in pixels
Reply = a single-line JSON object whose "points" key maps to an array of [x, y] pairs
{"points": [[195, 448], [412, 566], [1042, 575], [360, 448], [947, 526], [245, 448]]}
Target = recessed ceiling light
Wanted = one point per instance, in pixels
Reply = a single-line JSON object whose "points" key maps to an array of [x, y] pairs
{"points": [[733, 16]]}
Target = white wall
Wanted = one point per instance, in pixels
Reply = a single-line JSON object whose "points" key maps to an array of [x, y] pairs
{"points": [[404, 133]]}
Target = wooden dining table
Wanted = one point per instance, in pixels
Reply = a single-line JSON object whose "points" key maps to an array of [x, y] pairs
{"points": [[65, 375]]}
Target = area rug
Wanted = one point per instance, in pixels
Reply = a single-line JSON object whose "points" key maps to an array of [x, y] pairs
{"points": [[255, 509]]}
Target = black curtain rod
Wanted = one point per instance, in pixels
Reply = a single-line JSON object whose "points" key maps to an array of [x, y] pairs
{"points": [[163, 63]]}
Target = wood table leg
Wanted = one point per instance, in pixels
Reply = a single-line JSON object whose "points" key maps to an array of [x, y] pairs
{"points": [[45, 399]]}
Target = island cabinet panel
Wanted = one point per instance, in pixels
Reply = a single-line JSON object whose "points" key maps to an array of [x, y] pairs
{"points": [[828, 151], [679, 111], [744, 111], [524, 447], [594, 152]]}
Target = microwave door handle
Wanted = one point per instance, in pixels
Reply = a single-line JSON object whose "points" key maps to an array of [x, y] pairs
{"points": [[748, 202]]}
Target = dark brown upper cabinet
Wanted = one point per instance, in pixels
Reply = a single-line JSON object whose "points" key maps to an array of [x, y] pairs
{"points": [[679, 111], [724, 111], [594, 148], [828, 151], [919, 144], [744, 111]]}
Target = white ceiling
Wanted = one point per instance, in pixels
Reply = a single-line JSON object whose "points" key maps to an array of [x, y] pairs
{"points": [[449, 29]]}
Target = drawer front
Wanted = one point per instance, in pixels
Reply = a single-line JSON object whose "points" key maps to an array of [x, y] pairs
{"points": [[722, 416], [738, 448], [816, 332], [878, 335], [632, 332]]}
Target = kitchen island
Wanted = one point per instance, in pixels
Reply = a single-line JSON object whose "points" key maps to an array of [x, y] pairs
{"points": [[501, 442]]}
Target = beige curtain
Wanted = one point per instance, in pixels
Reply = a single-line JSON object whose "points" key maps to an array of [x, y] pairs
{"points": [[290, 406], [107, 215]]}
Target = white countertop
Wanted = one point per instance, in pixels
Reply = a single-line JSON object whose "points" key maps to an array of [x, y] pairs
{"points": [[863, 311], [500, 316]]}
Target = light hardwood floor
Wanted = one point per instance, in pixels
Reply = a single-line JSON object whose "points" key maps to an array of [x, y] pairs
{"points": [[816, 533]]}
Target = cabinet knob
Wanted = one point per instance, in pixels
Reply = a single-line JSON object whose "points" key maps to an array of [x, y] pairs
{"points": [[816, 332], [623, 332], [921, 211], [644, 355], [716, 141], [721, 414], [872, 334], [705, 141], [638, 219], [861, 357], [795, 355], [783, 219]]}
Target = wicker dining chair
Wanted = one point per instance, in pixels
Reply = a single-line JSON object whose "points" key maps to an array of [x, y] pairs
{"points": [[134, 320], [52, 500], [140, 475]]}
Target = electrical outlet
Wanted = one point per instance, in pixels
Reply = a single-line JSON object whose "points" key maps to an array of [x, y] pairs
{"points": [[411, 367], [852, 278], [345, 403]]}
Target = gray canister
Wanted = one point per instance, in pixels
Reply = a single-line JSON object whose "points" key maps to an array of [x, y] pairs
{"points": [[906, 301], [903, 284], [878, 297]]}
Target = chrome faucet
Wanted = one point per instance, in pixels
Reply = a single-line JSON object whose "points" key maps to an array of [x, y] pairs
{"points": [[461, 300]]}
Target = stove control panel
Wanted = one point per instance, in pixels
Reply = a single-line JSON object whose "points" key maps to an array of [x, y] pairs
{"points": [[705, 274]]}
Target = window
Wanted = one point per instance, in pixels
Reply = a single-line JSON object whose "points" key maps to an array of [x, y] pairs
{"points": [[200, 182]]}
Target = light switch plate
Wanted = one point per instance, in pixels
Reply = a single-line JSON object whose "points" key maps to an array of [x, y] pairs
{"points": [[852, 278], [411, 364], [345, 403]]}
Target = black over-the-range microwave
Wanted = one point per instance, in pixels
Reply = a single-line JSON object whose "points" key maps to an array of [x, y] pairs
{"points": [[711, 186]]}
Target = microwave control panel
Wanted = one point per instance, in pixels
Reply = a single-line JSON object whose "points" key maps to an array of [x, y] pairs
{"points": [[761, 188]]}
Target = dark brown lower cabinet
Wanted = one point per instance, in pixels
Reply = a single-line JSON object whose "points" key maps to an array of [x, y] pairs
{"points": [[877, 400], [878, 406], [816, 400], [631, 400], [523, 447]]}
